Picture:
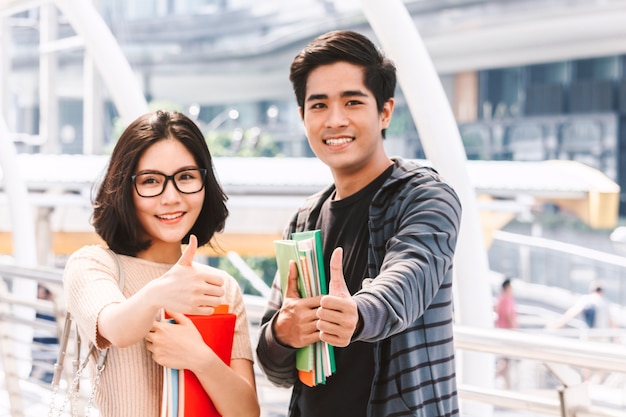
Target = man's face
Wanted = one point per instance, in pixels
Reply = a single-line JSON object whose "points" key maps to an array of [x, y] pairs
{"points": [[341, 118]]}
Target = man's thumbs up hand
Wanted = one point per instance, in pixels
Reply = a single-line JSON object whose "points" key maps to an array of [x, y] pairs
{"points": [[337, 286], [338, 315]]}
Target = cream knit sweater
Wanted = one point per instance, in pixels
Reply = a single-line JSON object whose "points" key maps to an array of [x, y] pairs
{"points": [[131, 384]]}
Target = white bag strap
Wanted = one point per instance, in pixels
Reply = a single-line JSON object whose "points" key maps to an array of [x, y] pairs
{"points": [[65, 335], [78, 365]]}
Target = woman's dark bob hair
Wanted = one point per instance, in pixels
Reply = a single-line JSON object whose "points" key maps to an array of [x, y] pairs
{"points": [[114, 215]]}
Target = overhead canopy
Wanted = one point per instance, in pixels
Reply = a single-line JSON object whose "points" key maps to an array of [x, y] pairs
{"points": [[571, 185]]}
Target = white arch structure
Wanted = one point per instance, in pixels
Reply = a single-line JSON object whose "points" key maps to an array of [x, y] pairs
{"points": [[118, 76], [444, 148], [427, 101]]}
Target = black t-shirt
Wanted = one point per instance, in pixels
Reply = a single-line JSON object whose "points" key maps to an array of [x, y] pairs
{"points": [[346, 392]]}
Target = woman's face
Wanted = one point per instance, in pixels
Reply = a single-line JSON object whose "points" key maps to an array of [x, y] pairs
{"points": [[167, 217]]}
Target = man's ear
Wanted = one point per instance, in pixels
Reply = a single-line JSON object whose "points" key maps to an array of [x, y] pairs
{"points": [[385, 115], [301, 112]]}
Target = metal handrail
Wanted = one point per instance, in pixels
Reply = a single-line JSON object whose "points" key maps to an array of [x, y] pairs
{"points": [[574, 250], [529, 402], [542, 347], [549, 350], [510, 399]]}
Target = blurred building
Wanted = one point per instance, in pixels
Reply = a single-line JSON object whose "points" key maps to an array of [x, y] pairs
{"points": [[528, 80]]}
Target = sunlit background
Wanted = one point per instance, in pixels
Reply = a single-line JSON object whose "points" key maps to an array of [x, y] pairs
{"points": [[537, 89]]}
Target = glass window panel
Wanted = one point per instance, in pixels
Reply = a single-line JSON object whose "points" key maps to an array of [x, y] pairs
{"points": [[606, 68]]}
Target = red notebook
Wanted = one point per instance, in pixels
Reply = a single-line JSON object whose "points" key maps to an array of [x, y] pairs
{"points": [[218, 331]]}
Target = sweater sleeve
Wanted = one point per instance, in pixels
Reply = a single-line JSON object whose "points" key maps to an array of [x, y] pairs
{"points": [[90, 282], [242, 348], [276, 359], [415, 246]]}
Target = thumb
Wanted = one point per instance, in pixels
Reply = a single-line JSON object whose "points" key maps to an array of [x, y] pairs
{"points": [[337, 286], [186, 259], [178, 317], [292, 281]]}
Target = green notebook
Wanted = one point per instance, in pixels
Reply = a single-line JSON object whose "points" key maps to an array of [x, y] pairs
{"points": [[317, 361]]}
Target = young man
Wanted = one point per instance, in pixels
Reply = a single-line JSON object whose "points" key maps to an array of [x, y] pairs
{"points": [[394, 224]]}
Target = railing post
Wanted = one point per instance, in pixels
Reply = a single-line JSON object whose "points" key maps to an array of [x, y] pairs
{"points": [[574, 399], [573, 393], [7, 356]]}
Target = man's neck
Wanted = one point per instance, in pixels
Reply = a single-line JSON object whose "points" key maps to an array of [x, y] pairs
{"points": [[348, 183]]}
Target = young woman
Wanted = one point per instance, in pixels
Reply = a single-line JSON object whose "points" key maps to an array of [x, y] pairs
{"points": [[159, 191]]}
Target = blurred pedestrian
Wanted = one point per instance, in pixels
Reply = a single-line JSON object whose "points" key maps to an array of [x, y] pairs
{"points": [[592, 308], [505, 307], [506, 318], [45, 342]]}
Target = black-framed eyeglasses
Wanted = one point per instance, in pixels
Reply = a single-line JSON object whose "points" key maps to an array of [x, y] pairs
{"points": [[186, 181]]}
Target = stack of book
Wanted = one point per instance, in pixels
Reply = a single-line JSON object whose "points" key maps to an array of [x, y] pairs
{"points": [[183, 395], [314, 362]]}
